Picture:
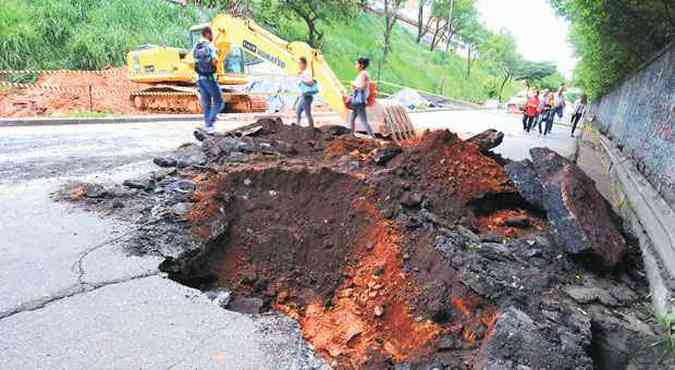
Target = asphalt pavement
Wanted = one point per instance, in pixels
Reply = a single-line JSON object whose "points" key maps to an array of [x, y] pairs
{"points": [[71, 297]]}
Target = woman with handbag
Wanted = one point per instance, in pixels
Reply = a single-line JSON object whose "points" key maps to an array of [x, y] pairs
{"points": [[359, 98], [308, 88]]}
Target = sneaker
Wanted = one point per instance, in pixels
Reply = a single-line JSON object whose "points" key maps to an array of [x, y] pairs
{"points": [[211, 130]]}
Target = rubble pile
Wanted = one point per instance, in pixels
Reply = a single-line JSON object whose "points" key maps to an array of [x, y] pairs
{"points": [[430, 255], [65, 93]]}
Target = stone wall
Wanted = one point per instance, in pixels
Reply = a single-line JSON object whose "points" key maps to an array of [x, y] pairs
{"points": [[639, 115]]}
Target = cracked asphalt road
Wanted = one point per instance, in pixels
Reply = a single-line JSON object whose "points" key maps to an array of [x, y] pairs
{"points": [[71, 299]]}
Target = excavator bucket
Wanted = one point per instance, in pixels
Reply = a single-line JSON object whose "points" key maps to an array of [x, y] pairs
{"points": [[392, 120]]}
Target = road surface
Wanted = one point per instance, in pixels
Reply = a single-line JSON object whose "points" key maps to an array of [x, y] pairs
{"points": [[71, 299]]}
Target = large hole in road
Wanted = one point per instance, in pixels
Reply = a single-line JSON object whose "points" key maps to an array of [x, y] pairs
{"points": [[309, 243]]}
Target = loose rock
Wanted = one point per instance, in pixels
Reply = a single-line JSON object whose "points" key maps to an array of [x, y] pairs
{"points": [[487, 140], [582, 220]]}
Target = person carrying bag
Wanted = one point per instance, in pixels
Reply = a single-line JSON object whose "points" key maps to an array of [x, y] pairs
{"points": [[308, 88], [360, 96]]}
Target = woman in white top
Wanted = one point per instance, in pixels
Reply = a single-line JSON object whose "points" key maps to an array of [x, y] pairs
{"points": [[579, 111], [362, 85], [305, 100]]}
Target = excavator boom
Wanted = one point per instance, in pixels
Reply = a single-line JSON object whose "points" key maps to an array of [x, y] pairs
{"points": [[231, 36]]}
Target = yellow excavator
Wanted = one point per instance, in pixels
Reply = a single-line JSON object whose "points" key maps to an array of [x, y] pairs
{"points": [[171, 75]]}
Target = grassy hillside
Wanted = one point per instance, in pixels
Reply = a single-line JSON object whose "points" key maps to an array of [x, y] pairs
{"points": [[86, 34], [91, 34], [409, 64]]}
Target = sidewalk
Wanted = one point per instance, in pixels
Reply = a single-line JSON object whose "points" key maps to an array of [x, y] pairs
{"points": [[646, 216]]}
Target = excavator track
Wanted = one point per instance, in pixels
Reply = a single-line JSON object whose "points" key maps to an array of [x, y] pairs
{"points": [[180, 99]]}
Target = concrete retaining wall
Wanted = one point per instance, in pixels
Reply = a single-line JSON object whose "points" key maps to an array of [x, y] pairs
{"points": [[647, 216], [634, 155], [639, 115]]}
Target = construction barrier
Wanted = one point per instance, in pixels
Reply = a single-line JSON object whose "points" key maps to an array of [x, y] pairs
{"points": [[57, 71]]}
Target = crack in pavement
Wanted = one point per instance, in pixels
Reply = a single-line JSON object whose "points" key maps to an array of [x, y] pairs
{"points": [[77, 265], [74, 290]]}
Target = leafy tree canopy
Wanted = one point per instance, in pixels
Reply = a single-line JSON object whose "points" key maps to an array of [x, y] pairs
{"points": [[613, 37]]}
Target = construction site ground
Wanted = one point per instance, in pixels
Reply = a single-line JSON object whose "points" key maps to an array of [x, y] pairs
{"points": [[72, 298]]}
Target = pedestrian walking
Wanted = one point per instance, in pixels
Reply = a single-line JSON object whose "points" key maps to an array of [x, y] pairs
{"points": [[540, 109], [550, 112], [531, 110], [210, 95], [579, 112], [308, 88], [560, 103], [360, 94]]}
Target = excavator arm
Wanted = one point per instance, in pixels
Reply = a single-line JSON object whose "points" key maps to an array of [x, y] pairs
{"points": [[229, 30]]}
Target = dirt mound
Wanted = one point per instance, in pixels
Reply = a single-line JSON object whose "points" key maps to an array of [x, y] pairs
{"points": [[70, 93], [421, 256]]}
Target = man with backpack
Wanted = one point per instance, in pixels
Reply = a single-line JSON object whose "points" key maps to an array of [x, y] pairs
{"points": [[210, 95]]}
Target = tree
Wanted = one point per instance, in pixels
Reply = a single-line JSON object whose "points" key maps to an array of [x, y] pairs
{"points": [[614, 37], [473, 36], [451, 8], [315, 12], [238, 7], [533, 71], [450, 18], [391, 8], [500, 55], [422, 24]]}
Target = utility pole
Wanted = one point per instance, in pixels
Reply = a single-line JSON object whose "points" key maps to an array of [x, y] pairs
{"points": [[451, 8]]}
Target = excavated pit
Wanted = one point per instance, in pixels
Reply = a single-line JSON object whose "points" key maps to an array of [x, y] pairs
{"points": [[311, 244], [419, 256]]}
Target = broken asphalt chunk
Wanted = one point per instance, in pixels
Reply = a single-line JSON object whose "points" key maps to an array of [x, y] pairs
{"points": [[582, 220], [487, 140], [524, 176]]}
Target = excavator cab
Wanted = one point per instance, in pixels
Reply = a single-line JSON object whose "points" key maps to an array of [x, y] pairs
{"points": [[233, 63]]}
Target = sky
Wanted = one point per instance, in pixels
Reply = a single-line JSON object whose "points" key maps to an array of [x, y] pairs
{"points": [[541, 35]]}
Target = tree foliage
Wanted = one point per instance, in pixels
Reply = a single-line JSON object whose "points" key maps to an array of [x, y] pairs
{"points": [[613, 37], [500, 56], [449, 19], [315, 12], [391, 8]]}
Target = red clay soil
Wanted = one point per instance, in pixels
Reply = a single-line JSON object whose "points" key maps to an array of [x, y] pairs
{"points": [[110, 94], [442, 159], [357, 147], [495, 223], [313, 242]]}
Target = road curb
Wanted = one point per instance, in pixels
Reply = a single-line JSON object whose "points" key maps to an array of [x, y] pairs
{"points": [[50, 121], [62, 121], [649, 216]]}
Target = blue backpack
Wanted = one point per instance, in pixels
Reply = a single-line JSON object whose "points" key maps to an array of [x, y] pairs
{"points": [[203, 59]]}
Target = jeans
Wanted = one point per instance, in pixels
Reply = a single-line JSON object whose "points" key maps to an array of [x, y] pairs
{"points": [[525, 117], [549, 122], [528, 122], [575, 120], [305, 105], [543, 118], [211, 98], [360, 111]]}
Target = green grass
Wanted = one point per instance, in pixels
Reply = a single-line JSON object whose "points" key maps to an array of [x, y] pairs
{"points": [[86, 34], [85, 114], [92, 34], [409, 63]]}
